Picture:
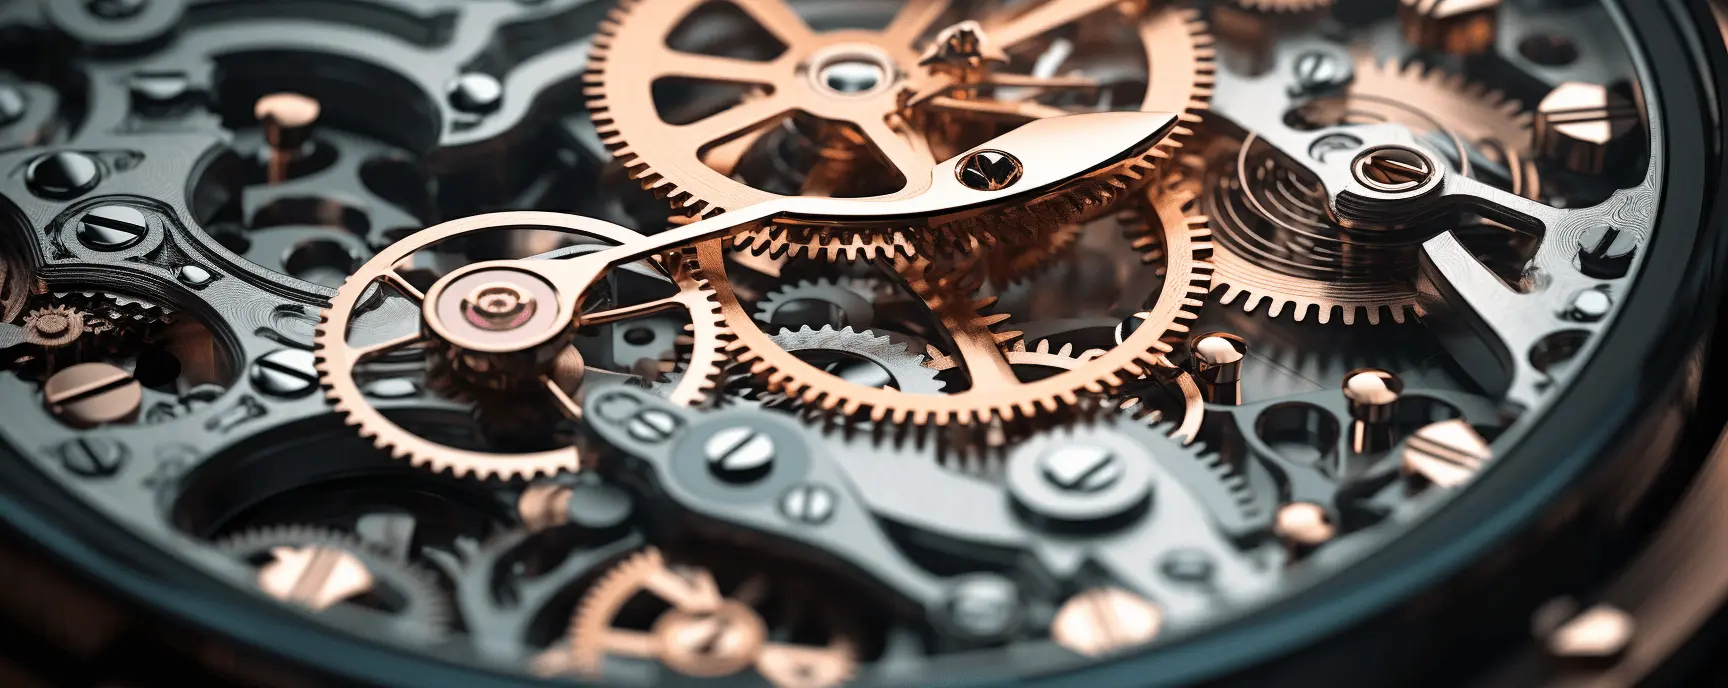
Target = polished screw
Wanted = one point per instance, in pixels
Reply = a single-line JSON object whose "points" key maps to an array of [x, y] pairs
{"points": [[13, 104], [193, 276], [652, 425], [285, 373], [808, 504], [112, 227], [63, 175], [475, 93], [116, 9], [90, 394], [990, 170], [740, 454], [1590, 305], [984, 606], [92, 457], [1217, 359], [1318, 71], [1187, 566], [1606, 252], [1081, 468]]}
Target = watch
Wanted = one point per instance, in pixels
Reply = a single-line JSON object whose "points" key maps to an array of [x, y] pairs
{"points": [[806, 343]]}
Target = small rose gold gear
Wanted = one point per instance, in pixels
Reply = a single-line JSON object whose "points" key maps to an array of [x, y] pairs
{"points": [[1412, 95], [55, 326], [995, 393], [703, 634], [1042, 355], [337, 360], [691, 164]]}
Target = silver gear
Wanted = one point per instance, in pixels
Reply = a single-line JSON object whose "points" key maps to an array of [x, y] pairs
{"points": [[855, 298], [425, 608], [904, 367]]}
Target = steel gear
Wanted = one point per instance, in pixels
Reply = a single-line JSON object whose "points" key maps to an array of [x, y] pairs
{"points": [[338, 360], [995, 394], [1043, 356], [693, 164], [317, 568], [852, 299], [1274, 242], [892, 364], [703, 633]]}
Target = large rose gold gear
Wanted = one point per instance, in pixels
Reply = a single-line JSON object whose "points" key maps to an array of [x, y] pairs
{"points": [[338, 360], [703, 633], [1379, 283], [1043, 355], [995, 393], [691, 164]]}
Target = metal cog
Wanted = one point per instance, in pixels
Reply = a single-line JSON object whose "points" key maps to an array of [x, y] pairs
{"points": [[1284, 250], [54, 326], [693, 597], [424, 604], [854, 297], [337, 359], [629, 55], [995, 394], [905, 368]]}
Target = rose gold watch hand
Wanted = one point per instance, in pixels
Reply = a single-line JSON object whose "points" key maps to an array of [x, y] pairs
{"points": [[1041, 159]]}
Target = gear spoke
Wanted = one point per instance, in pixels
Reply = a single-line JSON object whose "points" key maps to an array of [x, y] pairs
{"points": [[731, 70], [401, 284], [1051, 14], [729, 123], [910, 155], [634, 311]]}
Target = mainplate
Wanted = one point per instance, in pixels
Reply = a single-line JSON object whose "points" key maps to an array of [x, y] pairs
{"points": [[823, 342]]}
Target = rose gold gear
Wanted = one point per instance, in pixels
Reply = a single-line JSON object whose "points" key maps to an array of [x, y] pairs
{"points": [[1378, 283], [691, 164], [1064, 358], [703, 634], [55, 326], [995, 394], [1285, 6], [337, 360]]}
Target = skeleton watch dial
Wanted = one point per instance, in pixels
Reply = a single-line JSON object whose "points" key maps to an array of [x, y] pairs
{"points": [[818, 343]]}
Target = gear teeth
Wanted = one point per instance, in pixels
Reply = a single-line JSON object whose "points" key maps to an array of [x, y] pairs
{"points": [[1185, 90], [431, 611]]}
